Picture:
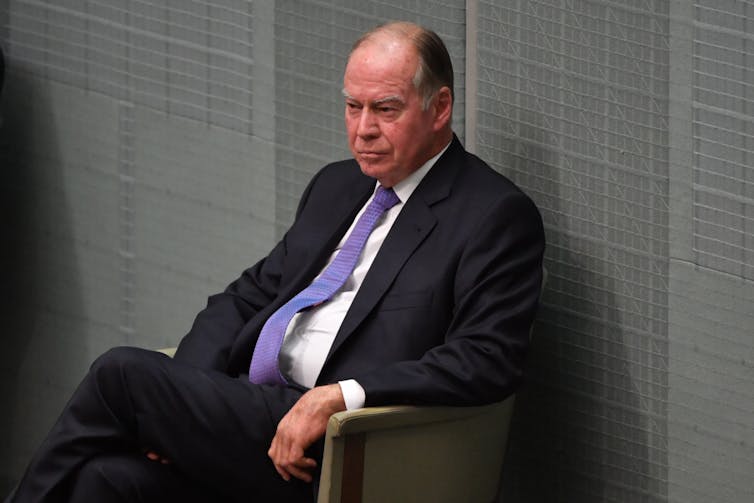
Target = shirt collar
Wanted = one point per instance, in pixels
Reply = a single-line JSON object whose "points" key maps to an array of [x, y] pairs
{"points": [[406, 187]]}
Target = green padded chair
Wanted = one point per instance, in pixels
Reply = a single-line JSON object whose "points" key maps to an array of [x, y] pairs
{"points": [[415, 454]]}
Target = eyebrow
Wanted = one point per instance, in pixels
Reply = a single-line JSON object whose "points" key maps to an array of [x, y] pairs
{"points": [[378, 102], [388, 99]]}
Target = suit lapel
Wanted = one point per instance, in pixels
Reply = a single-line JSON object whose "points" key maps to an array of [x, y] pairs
{"points": [[413, 225]]}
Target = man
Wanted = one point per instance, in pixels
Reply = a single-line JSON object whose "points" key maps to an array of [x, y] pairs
{"points": [[431, 304]]}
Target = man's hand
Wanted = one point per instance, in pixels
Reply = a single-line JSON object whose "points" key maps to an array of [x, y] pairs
{"points": [[300, 427]]}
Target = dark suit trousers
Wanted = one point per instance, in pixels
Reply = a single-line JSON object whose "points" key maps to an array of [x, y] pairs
{"points": [[214, 429]]}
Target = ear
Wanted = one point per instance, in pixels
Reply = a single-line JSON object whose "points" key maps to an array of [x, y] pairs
{"points": [[443, 108]]}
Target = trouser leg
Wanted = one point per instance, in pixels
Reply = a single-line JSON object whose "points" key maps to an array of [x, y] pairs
{"points": [[133, 478], [215, 429]]}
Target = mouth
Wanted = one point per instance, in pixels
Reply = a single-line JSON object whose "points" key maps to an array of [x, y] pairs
{"points": [[370, 154]]}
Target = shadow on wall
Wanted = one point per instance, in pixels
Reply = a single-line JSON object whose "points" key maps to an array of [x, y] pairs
{"points": [[40, 273], [579, 433]]}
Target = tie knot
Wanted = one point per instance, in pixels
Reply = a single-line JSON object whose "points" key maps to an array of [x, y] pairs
{"points": [[386, 198]]}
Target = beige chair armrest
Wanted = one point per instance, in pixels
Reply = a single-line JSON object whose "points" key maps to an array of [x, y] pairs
{"points": [[379, 418], [168, 351], [406, 453]]}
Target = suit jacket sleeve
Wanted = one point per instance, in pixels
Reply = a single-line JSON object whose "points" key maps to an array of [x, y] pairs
{"points": [[496, 288]]}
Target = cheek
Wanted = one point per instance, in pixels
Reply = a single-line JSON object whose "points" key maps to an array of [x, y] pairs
{"points": [[401, 140], [392, 135]]}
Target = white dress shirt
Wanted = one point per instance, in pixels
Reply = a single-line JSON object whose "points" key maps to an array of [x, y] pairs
{"points": [[311, 333]]}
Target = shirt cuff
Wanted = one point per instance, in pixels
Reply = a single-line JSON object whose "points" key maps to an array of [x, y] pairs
{"points": [[353, 394]]}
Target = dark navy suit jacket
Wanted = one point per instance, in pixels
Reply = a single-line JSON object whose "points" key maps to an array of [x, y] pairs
{"points": [[444, 312]]}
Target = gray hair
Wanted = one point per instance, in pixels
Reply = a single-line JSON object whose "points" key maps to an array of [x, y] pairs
{"points": [[435, 69]]}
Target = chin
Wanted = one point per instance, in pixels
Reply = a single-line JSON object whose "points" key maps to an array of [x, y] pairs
{"points": [[371, 170]]}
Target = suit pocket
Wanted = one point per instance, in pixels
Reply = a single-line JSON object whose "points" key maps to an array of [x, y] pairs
{"points": [[407, 300]]}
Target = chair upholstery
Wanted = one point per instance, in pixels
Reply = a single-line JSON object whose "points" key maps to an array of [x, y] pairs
{"points": [[405, 454]]}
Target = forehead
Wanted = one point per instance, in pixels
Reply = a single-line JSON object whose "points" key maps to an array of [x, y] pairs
{"points": [[376, 70]]}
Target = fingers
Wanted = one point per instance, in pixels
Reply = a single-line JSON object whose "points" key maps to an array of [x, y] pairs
{"points": [[153, 456], [289, 460], [304, 423], [301, 469]]}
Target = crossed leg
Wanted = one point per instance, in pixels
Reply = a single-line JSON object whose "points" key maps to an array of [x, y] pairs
{"points": [[131, 478], [214, 429]]}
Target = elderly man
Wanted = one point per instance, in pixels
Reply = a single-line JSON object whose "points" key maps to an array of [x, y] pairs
{"points": [[411, 275]]}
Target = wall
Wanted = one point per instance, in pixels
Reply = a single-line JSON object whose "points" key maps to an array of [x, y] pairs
{"points": [[151, 150], [139, 177]]}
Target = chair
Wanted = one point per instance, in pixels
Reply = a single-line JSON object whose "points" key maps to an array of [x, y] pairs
{"points": [[404, 453], [413, 454]]}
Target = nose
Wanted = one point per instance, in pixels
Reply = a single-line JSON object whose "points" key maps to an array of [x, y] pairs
{"points": [[367, 126]]}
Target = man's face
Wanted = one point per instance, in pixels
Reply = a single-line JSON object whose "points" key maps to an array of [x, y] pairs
{"points": [[389, 133]]}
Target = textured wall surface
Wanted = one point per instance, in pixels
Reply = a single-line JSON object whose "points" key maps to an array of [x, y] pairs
{"points": [[574, 106], [139, 177], [153, 149]]}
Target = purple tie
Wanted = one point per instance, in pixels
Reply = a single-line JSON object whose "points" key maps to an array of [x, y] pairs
{"points": [[264, 362]]}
